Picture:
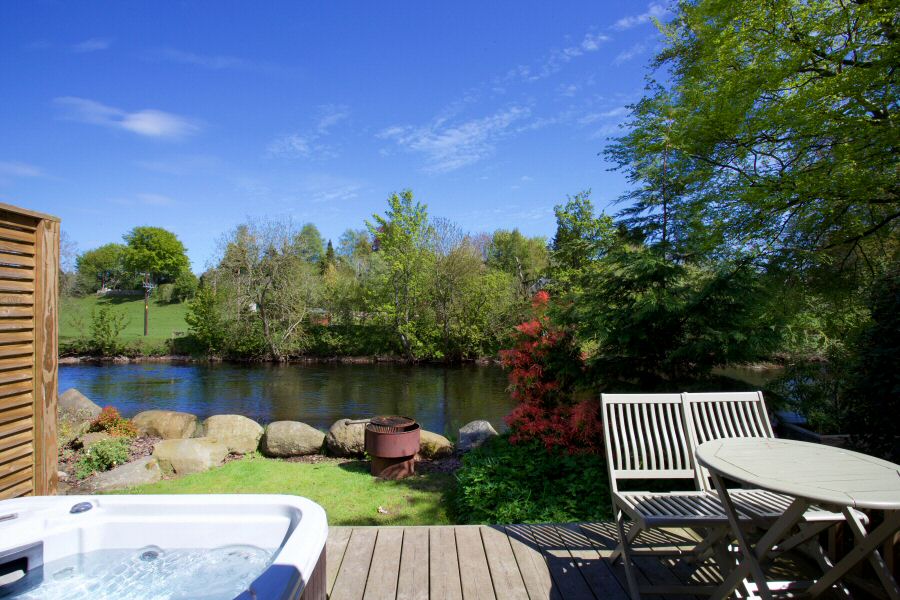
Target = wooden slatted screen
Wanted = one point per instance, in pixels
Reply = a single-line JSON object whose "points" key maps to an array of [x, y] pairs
{"points": [[29, 272]]}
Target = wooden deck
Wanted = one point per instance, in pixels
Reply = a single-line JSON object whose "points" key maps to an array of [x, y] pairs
{"points": [[518, 562]]}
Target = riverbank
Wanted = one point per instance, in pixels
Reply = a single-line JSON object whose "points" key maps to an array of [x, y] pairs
{"points": [[190, 359]]}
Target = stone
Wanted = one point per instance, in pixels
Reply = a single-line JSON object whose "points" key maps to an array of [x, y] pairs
{"points": [[195, 455], [291, 438], [143, 470], [433, 445], [166, 424], [474, 434], [77, 407], [62, 475], [240, 434], [68, 431], [347, 438], [89, 439]]}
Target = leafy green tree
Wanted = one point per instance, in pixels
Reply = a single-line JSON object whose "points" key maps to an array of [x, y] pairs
{"points": [[525, 258], [204, 318], [101, 266], [354, 243], [156, 251], [329, 261], [581, 237], [403, 236], [309, 245]]}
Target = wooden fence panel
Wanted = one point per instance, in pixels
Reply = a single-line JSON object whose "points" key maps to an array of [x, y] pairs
{"points": [[29, 282]]}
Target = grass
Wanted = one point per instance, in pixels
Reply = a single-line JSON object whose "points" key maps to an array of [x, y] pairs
{"points": [[347, 492], [164, 318]]}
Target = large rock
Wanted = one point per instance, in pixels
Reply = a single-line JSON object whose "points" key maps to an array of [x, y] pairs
{"points": [[190, 455], [77, 407], [433, 445], [166, 424], [474, 434], [143, 470], [89, 439], [347, 438], [291, 438], [239, 433]]}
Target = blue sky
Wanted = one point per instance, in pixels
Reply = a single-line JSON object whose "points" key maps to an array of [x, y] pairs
{"points": [[197, 116]]}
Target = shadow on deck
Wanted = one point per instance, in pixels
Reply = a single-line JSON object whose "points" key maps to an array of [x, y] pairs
{"points": [[520, 562]]}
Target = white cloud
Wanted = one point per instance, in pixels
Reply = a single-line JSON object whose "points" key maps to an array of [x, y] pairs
{"points": [[147, 122], [655, 10], [19, 169], [309, 144], [557, 59], [626, 55], [92, 45], [448, 146]]}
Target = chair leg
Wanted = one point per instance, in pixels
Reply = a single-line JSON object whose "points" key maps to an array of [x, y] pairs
{"points": [[633, 531], [633, 590]]}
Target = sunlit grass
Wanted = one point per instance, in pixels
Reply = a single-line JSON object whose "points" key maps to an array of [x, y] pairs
{"points": [[349, 495], [165, 319]]}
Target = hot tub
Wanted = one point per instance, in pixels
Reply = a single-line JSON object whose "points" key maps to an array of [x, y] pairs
{"points": [[162, 547]]}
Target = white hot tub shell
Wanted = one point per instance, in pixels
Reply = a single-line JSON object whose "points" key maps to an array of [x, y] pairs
{"points": [[38, 530]]}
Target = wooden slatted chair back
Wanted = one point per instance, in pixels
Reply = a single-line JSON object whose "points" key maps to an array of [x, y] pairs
{"points": [[645, 437], [717, 415]]}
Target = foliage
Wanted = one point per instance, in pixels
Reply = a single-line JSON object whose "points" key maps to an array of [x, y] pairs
{"points": [[502, 482], [102, 456], [308, 244], [525, 258], [205, 321], [184, 287], [106, 328], [110, 421], [544, 367], [156, 251], [347, 491], [101, 266]]}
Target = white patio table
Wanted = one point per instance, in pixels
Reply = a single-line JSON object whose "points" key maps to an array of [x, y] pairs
{"points": [[811, 474]]}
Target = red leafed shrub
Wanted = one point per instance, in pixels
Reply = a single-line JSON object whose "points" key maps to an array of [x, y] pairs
{"points": [[544, 365], [110, 421]]}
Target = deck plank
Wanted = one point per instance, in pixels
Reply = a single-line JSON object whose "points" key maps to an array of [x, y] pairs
{"points": [[532, 566], [474, 573], [385, 567], [443, 564], [566, 577], [508, 583], [335, 546], [594, 568], [414, 558], [354, 571]]}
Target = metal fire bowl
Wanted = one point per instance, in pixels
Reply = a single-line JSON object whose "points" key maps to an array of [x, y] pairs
{"points": [[393, 445]]}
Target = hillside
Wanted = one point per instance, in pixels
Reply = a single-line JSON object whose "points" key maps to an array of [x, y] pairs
{"points": [[165, 319]]}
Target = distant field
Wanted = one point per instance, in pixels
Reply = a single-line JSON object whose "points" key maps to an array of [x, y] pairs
{"points": [[164, 318]]}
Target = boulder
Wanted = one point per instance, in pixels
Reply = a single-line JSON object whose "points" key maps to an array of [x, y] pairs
{"points": [[347, 438], [474, 434], [76, 407], [433, 445], [166, 424], [89, 439], [291, 438], [143, 470], [238, 433], [189, 455]]}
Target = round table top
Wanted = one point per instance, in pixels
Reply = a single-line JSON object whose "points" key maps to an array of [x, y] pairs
{"points": [[802, 469]]}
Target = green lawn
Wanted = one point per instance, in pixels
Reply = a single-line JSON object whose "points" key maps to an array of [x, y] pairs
{"points": [[164, 318], [346, 491]]}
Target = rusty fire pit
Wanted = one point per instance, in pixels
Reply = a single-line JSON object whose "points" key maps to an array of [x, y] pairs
{"points": [[393, 443]]}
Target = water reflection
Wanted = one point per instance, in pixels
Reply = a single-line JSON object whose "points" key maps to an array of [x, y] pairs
{"points": [[441, 398]]}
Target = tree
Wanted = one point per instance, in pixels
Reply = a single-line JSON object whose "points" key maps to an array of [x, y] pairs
{"points": [[781, 124], [103, 266], [525, 258], [309, 245], [403, 235], [581, 237], [155, 251], [329, 261]]}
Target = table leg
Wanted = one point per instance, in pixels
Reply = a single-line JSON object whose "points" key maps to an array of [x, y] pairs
{"points": [[749, 565], [867, 546]]}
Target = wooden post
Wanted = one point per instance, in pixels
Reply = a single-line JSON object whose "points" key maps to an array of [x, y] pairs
{"points": [[29, 290]]}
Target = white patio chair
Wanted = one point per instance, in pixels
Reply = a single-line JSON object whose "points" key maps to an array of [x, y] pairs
{"points": [[646, 438], [712, 416]]}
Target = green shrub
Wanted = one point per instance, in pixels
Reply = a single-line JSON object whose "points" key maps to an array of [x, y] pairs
{"points": [[164, 293], [525, 483], [185, 287], [102, 456], [106, 327]]}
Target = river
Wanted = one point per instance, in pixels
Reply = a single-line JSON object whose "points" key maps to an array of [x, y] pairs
{"points": [[440, 398]]}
